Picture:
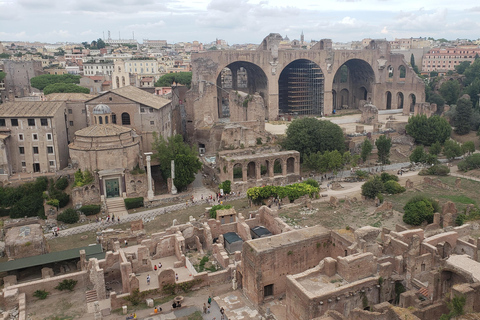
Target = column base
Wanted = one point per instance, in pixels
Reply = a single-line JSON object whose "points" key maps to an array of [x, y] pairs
{"points": [[150, 195]]}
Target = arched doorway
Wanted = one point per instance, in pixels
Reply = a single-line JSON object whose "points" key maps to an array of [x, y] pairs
{"points": [[344, 102], [277, 167], [356, 76], [301, 88], [264, 168], [399, 100], [239, 76], [291, 165], [413, 100], [237, 172], [251, 171], [389, 100]]}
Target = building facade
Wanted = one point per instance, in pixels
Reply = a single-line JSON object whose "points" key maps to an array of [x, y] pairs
{"points": [[445, 59]]}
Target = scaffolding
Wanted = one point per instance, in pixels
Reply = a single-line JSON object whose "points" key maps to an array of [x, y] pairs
{"points": [[301, 87]]}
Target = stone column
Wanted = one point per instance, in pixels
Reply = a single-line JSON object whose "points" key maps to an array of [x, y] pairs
{"points": [[174, 189], [149, 177]]}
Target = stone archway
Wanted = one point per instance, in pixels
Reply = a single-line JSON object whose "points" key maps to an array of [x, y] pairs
{"points": [[389, 100], [290, 165], [277, 167], [344, 101], [413, 100], [251, 170], [400, 100], [301, 88], [237, 172]]}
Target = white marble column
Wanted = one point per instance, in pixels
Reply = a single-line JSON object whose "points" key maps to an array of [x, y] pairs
{"points": [[174, 189], [150, 194]]}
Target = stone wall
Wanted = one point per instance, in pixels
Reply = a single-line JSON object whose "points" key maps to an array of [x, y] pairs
{"points": [[89, 194], [136, 185]]}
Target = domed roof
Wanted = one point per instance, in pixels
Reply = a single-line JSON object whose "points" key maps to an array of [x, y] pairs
{"points": [[101, 109]]}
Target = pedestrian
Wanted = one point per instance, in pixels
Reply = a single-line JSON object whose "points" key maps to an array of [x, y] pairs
{"points": [[209, 300], [126, 243], [118, 219], [159, 265], [155, 267], [148, 279], [208, 309], [176, 276], [204, 308], [113, 218]]}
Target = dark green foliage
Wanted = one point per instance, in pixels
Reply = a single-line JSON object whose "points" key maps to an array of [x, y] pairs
{"points": [[399, 289], [28, 206], [309, 135], [187, 163], [393, 187], [435, 148], [238, 173], [83, 178], [367, 148], [213, 210], [44, 80], [90, 209], [470, 163], [452, 149], [2, 75], [461, 120], [468, 147], [438, 170], [293, 192], [460, 219], [462, 66], [64, 87], [427, 131], [328, 161], [372, 187], [419, 209], [67, 284], [132, 203], [388, 177], [383, 146], [181, 78], [455, 306], [4, 212], [68, 216], [4, 55], [450, 91], [137, 170], [61, 183], [418, 155], [25, 200], [226, 186], [362, 174], [41, 294], [312, 182]]}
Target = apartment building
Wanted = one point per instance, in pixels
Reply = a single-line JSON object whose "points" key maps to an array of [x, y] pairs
{"points": [[444, 59]]}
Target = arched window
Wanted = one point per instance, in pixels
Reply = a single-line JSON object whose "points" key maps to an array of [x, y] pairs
{"points": [[125, 119], [114, 118], [100, 120], [106, 119]]}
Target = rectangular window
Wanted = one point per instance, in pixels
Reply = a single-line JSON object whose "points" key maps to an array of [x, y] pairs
{"points": [[31, 122], [152, 123], [70, 111], [142, 110], [151, 110], [71, 123], [20, 137], [2, 123], [21, 150], [35, 150], [49, 149], [44, 122], [24, 164], [49, 136], [14, 122], [51, 163], [83, 111], [35, 136]]}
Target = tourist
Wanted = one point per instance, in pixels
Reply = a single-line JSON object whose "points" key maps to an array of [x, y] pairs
{"points": [[148, 279], [126, 243], [176, 276], [209, 300], [155, 310], [204, 308], [208, 309], [155, 267], [159, 265]]}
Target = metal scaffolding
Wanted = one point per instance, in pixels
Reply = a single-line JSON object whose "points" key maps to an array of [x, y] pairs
{"points": [[301, 87]]}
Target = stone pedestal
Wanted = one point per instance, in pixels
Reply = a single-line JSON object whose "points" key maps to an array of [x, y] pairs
{"points": [[150, 194]]}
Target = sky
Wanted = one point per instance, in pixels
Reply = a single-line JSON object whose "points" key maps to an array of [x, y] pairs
{"points": [[236, 21]]}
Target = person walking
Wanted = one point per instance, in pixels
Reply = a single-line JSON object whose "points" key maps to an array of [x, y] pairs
{"points": [[148, 279], [204, 308], [209, 300]]}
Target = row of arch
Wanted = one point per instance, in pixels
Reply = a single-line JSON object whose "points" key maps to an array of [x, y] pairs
{"points": [[301, 85], [400, 98], [98, 119], [267, 168]]}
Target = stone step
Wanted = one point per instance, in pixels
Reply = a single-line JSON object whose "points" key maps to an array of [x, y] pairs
{"points": [[116, 206], [91, 296]]}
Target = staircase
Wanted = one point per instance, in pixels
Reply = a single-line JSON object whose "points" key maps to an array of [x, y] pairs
{"points": [[91, 296], [116, 206]]}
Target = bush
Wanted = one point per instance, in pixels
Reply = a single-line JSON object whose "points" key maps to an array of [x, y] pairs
{"points": [[380, 197], [61, 183], [372, 187], [419, 209], [393, 187], [312, 182], [427, 131], [362, 174], [41, 294], [226, 186], [471, 162], [132, 203], [67, 284], [90, 209], [293, 192], [460, 219], [452, 149], [438, 170], [213, 210], [68, 216], [4, 212], [388, 177]]}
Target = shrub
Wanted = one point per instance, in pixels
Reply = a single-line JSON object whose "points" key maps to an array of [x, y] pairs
{"points": [[4, 212], [388, 177], [41, 294], [213, 210], [452, 149], [372, 187], [68, 216], [226, 186], [460, 219], [380, 197], [293, 192], [471, 162], [312, 182], [61, 183], [438, 170], [90, 209], [393, 187], [53, 202], [132, 203], [67, 284], [361, 174], [419, 209]]}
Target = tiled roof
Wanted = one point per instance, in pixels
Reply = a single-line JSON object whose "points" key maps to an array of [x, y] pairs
{"points": [[30, 108], [69, 96], [140, 96], [102, 130]]}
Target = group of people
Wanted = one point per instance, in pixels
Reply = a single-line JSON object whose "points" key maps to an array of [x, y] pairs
{"points": [[132, 316], [107, 219], [159, 266], [206, 309]]}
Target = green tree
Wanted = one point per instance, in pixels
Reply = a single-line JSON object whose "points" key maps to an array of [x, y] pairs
{"points": [[463, 113], [168, 79], [452, 149], [472, 72], [347, 158], [473, 89], [427, 131], [435, 148], [4, 55], [417, 210], [100, 43], [468, 147], [418, 155], [462, 67], [383, 146], [40, 82], [186, 160], [450, 91], [2, 75], [309, 135], [372, 187], [68, 216], [367, 148], [64, 87], [412, 63]]}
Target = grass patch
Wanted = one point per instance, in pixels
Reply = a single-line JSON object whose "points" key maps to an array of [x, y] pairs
{"points": [[458, 199], [72, 242]]}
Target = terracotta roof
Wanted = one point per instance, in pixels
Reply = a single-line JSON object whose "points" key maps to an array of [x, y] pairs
{"points": [[69, 96], [143, 97], [102, 130], [30, 108], [96, 78]]}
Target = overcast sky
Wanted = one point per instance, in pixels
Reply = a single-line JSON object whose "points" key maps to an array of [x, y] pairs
{"points": [[237, 21]]}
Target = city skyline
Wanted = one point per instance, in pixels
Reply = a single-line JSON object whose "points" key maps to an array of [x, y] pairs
{"points": [[240, 21]]}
